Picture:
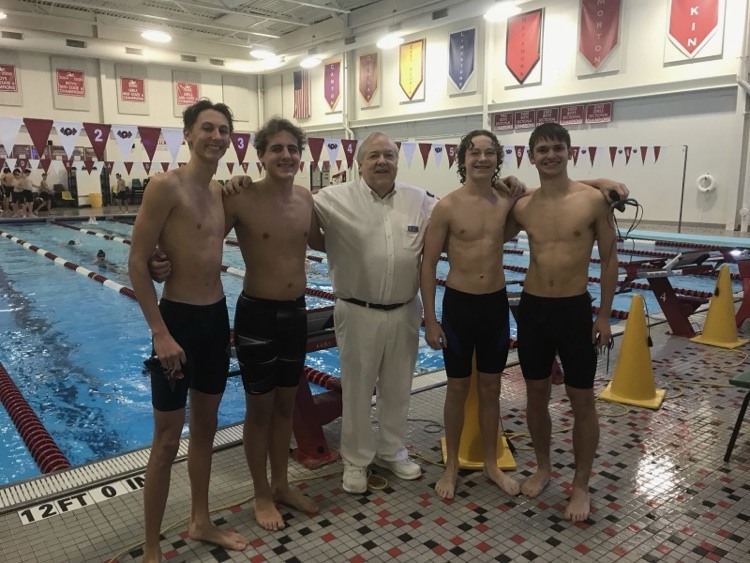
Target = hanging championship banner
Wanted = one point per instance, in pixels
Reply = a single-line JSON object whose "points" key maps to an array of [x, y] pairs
{"points": [[503, 121], [599, 50], [462, 78], [523, 47], [8, 82], [411, 70], [132, 89], [369, 80], [332, 84], [70, 82], [696, 30]]}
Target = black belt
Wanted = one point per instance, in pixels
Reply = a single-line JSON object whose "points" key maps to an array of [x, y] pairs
{"points": [[378, 306]]}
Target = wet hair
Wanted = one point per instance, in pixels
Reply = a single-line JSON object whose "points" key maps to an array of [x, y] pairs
{"points": [[466, 144], [365, 144], [100, 254], [17, 171], [277, 125], [71, 242], [191, 113], [6, 169], [27, 171], [551, 132]]}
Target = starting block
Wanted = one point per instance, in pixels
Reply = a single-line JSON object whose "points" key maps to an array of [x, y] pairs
{"points": [[676, 308]]}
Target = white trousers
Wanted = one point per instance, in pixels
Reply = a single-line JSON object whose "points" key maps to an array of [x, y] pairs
{"points": [[377, 350]]}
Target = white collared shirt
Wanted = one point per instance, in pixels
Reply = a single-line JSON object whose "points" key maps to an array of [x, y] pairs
{"points": [[374, 244]]}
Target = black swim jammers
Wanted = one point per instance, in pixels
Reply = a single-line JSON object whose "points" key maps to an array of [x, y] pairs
{"points": [[475, 322], [203, 333], [549, 325], [270, 338]]}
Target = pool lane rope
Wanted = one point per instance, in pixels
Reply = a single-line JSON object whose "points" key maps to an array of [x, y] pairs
{"points": [[46, 453], [89, 232]]}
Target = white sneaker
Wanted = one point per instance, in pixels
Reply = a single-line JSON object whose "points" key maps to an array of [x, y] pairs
{"points": [[355, 479], [403, 468]]}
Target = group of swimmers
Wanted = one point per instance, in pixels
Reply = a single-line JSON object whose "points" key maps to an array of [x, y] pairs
{"points": [[21, 197]]}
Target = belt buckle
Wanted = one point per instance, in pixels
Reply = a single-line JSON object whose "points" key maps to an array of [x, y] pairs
{"points": [[368, 305]]}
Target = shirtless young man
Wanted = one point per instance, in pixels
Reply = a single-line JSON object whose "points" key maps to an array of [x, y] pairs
{"points": [[182, 212], [470, 223], [563, 219], [272, 220], [7, 182]]}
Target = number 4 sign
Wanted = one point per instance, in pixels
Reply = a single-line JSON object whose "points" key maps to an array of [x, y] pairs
{"points": [[98, 134]]}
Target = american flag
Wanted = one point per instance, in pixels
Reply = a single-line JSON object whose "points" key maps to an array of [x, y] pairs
{"points": [[301, 94]]}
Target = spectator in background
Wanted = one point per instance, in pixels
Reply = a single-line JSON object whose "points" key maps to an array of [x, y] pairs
{"points": [[122, 193], [45, 195], [7, 182]]}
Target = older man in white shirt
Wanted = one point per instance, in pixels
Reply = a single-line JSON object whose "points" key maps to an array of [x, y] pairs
{"points": [[374, 233]]}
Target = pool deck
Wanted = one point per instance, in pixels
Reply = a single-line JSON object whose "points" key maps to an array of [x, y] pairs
{"points": [[660, 489]]}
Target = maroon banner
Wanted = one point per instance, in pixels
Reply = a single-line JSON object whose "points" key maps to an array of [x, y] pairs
{"points": [[230, 167], [592, 154], [571, 115], [88, 164], [147, 167], [520, 150], [599, 30], [331, 83], [98, 134], [425, 149], [149, 139], [240, 141], [316, 145], [576, 151], [22, 163], [368, 76], [187, 93], [657, 150], [599, 113], [165, 166], [244, 166], [547, 115], [612, 154], [644, 149], [350, 147], [70, 82], [43, 164], [67, 163], [523, 44], [8, 82], [109, 165], [628, 152], [259, 166], [525, 119], [39, 132], [132, 89], [502, 121], [450, 150], [691, 22]]}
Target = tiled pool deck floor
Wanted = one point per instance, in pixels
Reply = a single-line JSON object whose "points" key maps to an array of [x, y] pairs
{"points": [[660, 490]]}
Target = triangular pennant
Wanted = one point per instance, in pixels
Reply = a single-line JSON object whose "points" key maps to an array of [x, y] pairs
{"points": [[628, 152], [333, 150], [519, 150], [88, 164], [612, 154], [240, 142], [316, 146], [230, 167], [338, 164], [149, 140], [508, 159], [22, 163], [165, 166], [450, 151], [109, 165], [98, 134], [67, 133], [2, 162], [68, 163], [644, 150], [592, 155], [259, 166], [326, 166], [147, 167], [128, 166], [33, 163], [438, 149], [657, 150], [44, 164], [244, 166], [575, 151], [39, 132], [424, 149], [125, 137], [10, 163], [181, 164], [173, 137], [9, 128], [302, 165], [398, 145], [408, 147], [350, 147]]}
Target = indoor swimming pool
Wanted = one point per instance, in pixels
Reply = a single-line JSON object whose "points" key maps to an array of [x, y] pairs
{"points": [[75, 348]]}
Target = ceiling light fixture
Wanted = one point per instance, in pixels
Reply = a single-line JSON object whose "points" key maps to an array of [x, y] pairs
{"points": [[501, 11], [261, 53], [156, 36], [310, 61], [3, 15], [393, 38]]}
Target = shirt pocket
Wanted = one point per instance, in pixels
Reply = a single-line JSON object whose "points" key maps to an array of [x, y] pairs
{"points": [[413, 237]]}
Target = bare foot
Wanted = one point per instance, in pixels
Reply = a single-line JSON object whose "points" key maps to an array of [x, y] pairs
{"points": [[509, 485], [579, 505], [149, 557], [446, 485], [213, 534], [295, 499], [535, 484], [267, 515]]}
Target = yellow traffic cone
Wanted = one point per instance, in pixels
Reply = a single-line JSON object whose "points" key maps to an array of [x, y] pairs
{"points": [[633, 380], [470, 448], [720, 328]]}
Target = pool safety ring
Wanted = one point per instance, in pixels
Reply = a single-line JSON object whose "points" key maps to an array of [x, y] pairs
{"points": [[706, 183]]}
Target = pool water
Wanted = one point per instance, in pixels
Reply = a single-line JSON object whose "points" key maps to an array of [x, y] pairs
{"points": [[75, 347]]}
